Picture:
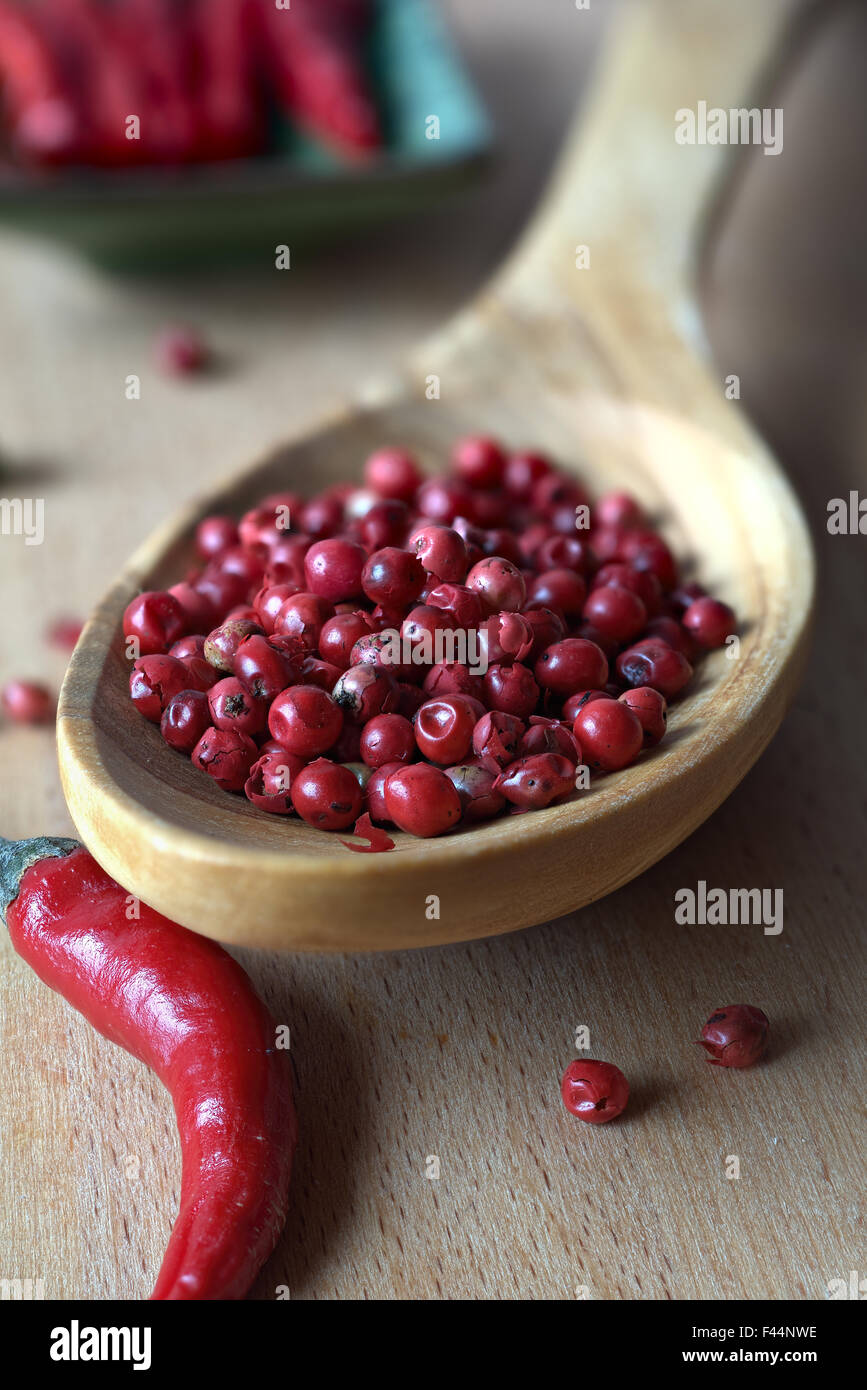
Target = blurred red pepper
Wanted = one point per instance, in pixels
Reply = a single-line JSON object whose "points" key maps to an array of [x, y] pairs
{"points": [[181, 1004]]}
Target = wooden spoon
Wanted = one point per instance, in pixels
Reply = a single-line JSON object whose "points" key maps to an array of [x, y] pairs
{"points": [[605, 367]]}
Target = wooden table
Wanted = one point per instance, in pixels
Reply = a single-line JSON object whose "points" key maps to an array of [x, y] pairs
{"points": [[456, 1053]]}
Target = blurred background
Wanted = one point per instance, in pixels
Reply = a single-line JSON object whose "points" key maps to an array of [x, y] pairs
{"points": [[785, 295]]}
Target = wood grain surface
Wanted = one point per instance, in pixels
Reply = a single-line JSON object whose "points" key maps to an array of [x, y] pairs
{"points": [[455, 1053]]}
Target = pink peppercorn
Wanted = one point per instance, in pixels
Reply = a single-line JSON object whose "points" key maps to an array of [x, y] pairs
{"points": [[441, 552], [444, 729], [362, 692], [533, 783], [512, 690], [392, 473], [479, 461], [269, 785], [475, 787], [340, 634], [462, 604], [333, 569], [392, 577], [214, 534], [25, 702], [232, 706], [155, 619], [199, 612], [653, 662], [709, 622], [561, 589], [387, 738], [617, 613], [264, 668], [453, 678], [305, 720], [222, 644], [327, 795], [651, 710], [549, 736], [421, 800], [499, 584], [570, 665], [303, 615], [609, 733], [594, 1091], [496, 738], [153, 681], [735, 1036], [184, 719], [226, 755], [376, 791], [506, 637]]}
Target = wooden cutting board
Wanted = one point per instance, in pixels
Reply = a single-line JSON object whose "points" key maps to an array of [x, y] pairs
{"points": [[455, 1054]]}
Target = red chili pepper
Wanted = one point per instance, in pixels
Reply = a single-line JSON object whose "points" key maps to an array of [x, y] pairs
{"points": [[313, 55], [184, 1007], [46, 127]]}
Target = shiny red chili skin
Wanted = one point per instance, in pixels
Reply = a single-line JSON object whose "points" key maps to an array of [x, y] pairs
{"points": [[305, 720], [155, 619], [387, 738], [444, 729], [653, 662], [153, 681], [28, 703], [651, 710], [226, 755], [327, 795], [533, 783], [570, 665], [421, 800], [184, 719], [179, 1003], [594, 1091], [735, 1036], [609, 733]]}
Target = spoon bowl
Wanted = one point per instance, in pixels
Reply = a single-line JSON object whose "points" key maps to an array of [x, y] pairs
{"points": [[605, 369]]}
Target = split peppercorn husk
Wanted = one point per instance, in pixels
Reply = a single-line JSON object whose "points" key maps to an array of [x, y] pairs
{"points": [[735, 1036], [185, 1008]]}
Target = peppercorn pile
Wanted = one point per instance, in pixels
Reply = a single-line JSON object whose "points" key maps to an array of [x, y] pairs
{"points": [[134, 82], [426, 651]]}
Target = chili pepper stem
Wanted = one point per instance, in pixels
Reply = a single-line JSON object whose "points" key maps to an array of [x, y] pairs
{"points": [[17, 856]]}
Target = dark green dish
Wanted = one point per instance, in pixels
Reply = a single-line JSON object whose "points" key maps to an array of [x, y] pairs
{"points": [[299, 195]]}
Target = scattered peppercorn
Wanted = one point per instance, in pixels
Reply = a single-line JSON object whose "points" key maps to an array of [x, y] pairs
{"points": [[594, 1091], [735, 1036]]}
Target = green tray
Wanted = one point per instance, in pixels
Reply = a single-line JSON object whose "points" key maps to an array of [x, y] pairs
{"points": [[298, 195]]}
